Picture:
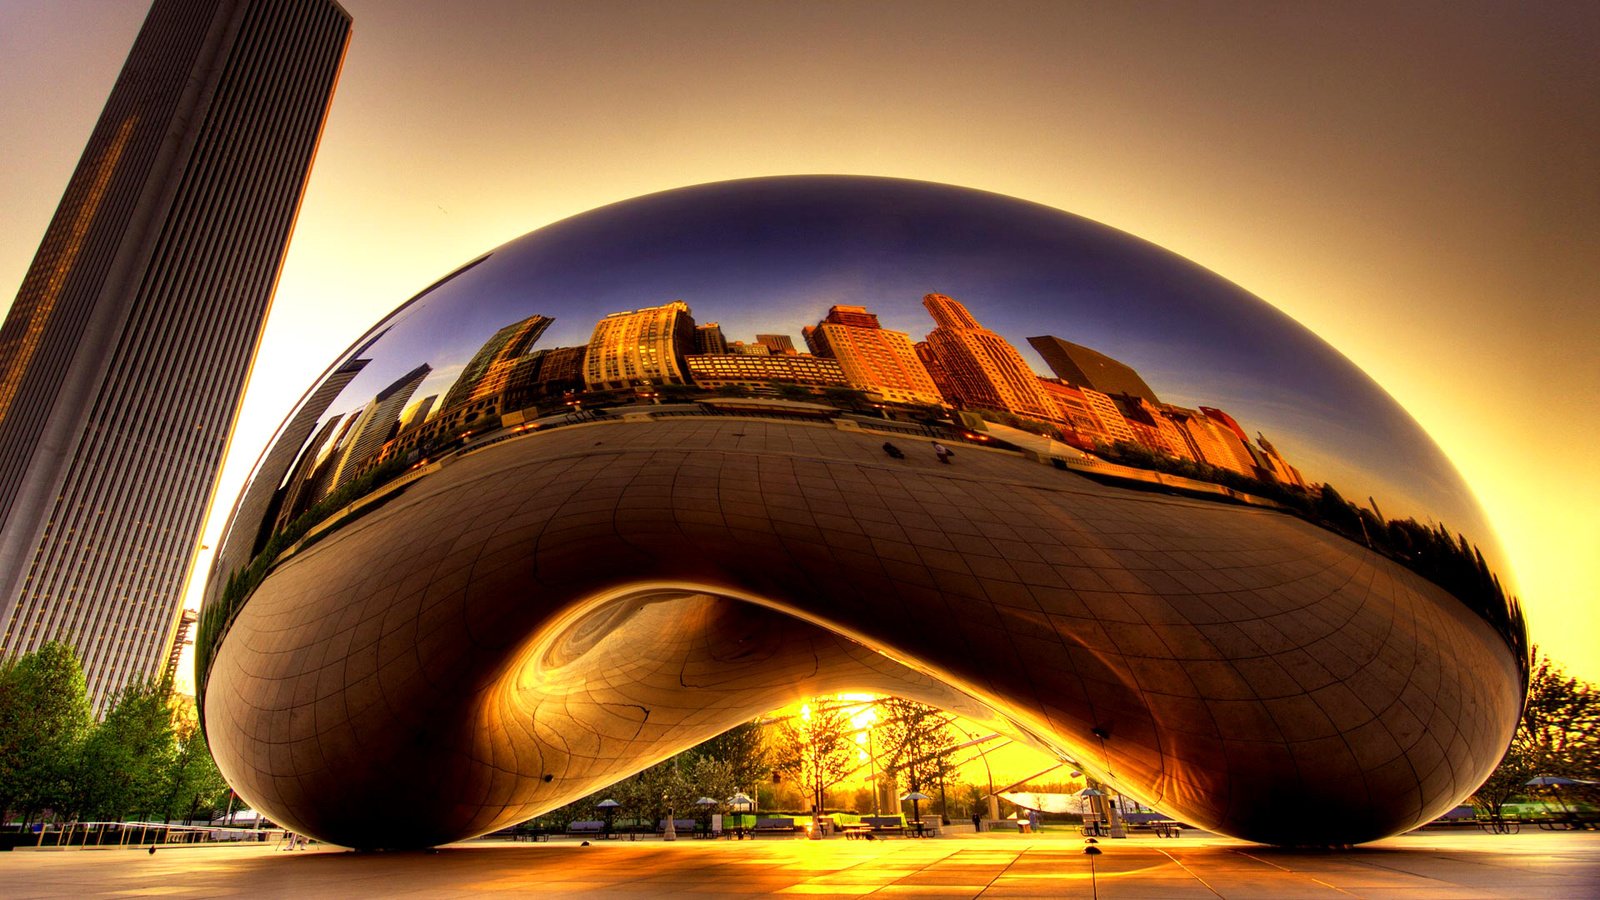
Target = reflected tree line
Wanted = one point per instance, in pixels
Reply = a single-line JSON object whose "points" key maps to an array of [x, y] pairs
{"points": [[1448, 560], [145, 760]]}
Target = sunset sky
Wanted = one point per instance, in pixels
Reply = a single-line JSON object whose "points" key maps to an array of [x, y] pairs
{"points": [[1420, 185]]}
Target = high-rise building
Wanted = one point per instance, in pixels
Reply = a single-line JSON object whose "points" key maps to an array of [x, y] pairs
{"points": [[738, 370], [879, 362], [1084, 427], [1209, 440], [124, 356], [259, 497], [640, 346], [376, 424], [1153, 429], [1109, 413], [982, 368], [487, 373], [778, 343], [1082, 367], [708, 339]]}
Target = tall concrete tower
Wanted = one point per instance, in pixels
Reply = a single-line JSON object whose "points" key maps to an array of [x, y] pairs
{"points": [[125, 354]]}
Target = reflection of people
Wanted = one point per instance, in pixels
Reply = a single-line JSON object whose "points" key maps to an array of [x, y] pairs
{"points": [[893, 451], [942, 452], [1033, 820], [977, 822]]}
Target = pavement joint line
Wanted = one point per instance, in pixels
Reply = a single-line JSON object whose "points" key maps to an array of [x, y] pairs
{"points": [[1193, 874], [1002, 873], [1305, 875]]}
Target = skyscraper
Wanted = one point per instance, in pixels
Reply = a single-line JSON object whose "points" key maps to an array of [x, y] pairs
{"points": [[490, 368], [640, 346], [124, 357], [777, 343], [708, 339], [1080, 366], [982, 367], [875, 360]]}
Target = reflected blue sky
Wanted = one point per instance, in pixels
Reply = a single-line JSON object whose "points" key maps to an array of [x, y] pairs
{"points": [[771, 255]]}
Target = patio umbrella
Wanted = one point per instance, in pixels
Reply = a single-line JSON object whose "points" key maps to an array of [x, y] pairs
{"points": [[1553, 781], [705, 801], [610, 806], [916, 797]]}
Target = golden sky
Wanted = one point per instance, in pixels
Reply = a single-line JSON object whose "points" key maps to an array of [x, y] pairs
{"points": [[1419, 185]]}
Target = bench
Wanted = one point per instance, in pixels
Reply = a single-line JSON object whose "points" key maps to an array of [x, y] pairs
{"points": [[592, 826], [885, 824], [776, 826], [682, 826]]}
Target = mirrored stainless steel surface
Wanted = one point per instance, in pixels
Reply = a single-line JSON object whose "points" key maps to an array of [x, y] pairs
{"points": [[644, 473]]}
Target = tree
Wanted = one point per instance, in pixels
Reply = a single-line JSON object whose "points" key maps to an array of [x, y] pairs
{"points": [[127, 759], [1559, 734], [788, 391], [44, 715], [846, 398], [818, 752], [743, 749], [194, 786], [917, 740]]}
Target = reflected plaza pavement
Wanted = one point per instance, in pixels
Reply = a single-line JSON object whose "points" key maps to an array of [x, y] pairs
{"points": [[1428, 864]]}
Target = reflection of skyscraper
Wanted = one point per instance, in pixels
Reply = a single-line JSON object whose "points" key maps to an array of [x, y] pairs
{"points": [[489, 369], [418, 413], [377, 423], [1279, 466], [1073, 408], [1210, 440], [255, 505], [638, 346], [1078, 365], [124, 356], [984, 370], [708, 339], [299, 490], [1110, 415], [1152, 429], [739, 370], [880, 362], [777, 343]]}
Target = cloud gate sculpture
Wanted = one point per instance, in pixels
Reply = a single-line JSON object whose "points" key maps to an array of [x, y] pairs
{"points": [[645, 473]]}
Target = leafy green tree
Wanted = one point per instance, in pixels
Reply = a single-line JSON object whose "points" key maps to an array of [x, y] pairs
{"points": [[743, 749], [126, 761], [194, 786], [1559, 735], [44, 715]]}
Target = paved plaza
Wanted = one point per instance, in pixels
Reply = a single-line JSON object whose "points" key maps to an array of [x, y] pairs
{"points": [[1460, 864]]}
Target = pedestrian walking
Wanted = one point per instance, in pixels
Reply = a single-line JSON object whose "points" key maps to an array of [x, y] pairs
{"points": [[942, 452]]}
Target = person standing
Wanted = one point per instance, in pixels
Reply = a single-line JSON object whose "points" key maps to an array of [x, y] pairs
{"points": [[942, 452], [977, 822]]}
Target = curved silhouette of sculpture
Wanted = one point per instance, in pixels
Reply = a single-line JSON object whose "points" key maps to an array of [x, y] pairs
{"points": [[453, 596]]}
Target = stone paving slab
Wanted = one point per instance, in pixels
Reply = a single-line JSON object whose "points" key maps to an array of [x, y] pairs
{"points": [[1465, 865]]}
